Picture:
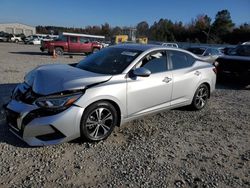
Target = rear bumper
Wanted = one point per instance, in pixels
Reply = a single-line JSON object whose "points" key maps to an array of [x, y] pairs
{"points": [[37, 128]]}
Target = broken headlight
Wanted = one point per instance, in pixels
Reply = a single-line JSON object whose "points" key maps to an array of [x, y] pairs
{"points": [[57, 102]]}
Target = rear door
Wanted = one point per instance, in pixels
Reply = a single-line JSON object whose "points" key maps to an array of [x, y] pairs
{"points": [[185, 76], [74, 45], [145, 94]]}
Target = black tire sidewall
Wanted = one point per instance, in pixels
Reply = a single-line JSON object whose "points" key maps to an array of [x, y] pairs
{"points": [[60, 50], [90, 109]]}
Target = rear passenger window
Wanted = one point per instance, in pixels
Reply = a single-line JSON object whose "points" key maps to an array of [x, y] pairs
{"points": [[181, 60], [73, 39]]}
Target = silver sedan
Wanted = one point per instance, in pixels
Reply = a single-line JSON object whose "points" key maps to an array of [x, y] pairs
{"points": [[58, 103]]}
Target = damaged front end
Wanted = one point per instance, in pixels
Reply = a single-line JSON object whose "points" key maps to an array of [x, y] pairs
{"points": [[40, 120], [42, 110]]}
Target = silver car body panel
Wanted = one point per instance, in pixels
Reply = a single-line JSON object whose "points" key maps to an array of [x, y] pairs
{"points": [[133, 96], [49, 79]]}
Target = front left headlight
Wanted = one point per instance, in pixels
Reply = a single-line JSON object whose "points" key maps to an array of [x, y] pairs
{"points": [[59, 102]]}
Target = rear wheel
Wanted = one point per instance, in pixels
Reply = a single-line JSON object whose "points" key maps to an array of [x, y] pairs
{"points": [[200, 97], [59, 51], [98, 121]]}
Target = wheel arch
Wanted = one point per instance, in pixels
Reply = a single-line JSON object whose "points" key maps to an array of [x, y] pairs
{"points": [[116, 106], [208, 86], [59, 47]]}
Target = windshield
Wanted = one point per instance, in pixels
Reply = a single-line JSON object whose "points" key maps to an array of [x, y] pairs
{"points": [[197, 51], [242, 50], [109, 60], [62, 38]]}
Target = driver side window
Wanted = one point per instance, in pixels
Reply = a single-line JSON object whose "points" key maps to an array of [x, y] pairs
{"points": [[155, 62]]}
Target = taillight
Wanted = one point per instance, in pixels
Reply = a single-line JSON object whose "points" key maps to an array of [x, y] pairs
{"points": [[216, 63], [215, 70]]}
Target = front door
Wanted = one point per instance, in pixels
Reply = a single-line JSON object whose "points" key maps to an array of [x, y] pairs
{"points": [[146, 94]]}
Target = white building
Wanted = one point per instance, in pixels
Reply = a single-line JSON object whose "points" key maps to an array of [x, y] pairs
{"points": [[17, 28]]}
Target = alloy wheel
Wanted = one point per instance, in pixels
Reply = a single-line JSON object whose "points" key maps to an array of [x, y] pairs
{"points": [[99, 122], [201, 97]]}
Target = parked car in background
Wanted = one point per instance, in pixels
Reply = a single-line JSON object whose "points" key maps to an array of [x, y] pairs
{"points": [[207, 53], [72, 43], [236, 64], [33, 39], [246, 43], [58, 103], [174, 45], [226, 50], [4, 36], [49, 37], [3, 39], [14, 38]]}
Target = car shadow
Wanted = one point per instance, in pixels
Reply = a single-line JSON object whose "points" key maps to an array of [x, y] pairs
{"points": [[233, 84], [29, 53], [69, 55], [5, 135]]}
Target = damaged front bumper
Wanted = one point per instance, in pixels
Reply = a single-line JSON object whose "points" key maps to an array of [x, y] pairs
{"points": [[39, 127]]}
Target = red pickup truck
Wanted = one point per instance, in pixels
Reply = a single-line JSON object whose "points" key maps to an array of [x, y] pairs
{"points": [[71, 43]]}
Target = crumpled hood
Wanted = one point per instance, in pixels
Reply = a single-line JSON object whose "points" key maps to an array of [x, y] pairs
{"points": [[49, 79]]}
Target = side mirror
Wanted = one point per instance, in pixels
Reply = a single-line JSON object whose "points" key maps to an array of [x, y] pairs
{"points": [[142, 72]]}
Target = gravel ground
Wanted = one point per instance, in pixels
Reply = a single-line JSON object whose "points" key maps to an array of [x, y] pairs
{"points": [[176, 148]]}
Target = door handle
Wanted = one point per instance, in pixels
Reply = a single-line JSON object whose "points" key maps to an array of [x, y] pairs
{"points": [[167, 79], [197, 73]]}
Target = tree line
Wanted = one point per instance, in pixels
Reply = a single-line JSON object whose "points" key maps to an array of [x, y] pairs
{"points": [[199, 30]]}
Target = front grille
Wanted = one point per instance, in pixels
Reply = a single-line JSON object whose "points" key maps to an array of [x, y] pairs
{"points": [[36, 114]]}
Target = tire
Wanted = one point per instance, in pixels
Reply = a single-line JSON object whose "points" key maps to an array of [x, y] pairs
{"points": [[98, 121], [95, 50], [200, 97], [16, 41], [59, 51]]}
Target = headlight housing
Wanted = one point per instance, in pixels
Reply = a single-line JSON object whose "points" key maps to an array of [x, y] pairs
{"points": [[57, 102]]}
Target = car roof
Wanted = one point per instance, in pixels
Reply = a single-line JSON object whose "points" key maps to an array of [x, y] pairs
{"points": [[140, 47], [149, 47]]}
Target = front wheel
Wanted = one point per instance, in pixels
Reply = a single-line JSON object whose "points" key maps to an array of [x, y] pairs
{"points": [[98, 121], [95, 50], [200, 97]]}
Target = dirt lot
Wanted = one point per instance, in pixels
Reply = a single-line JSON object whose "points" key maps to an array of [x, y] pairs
{"points": [[177, 148]]}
